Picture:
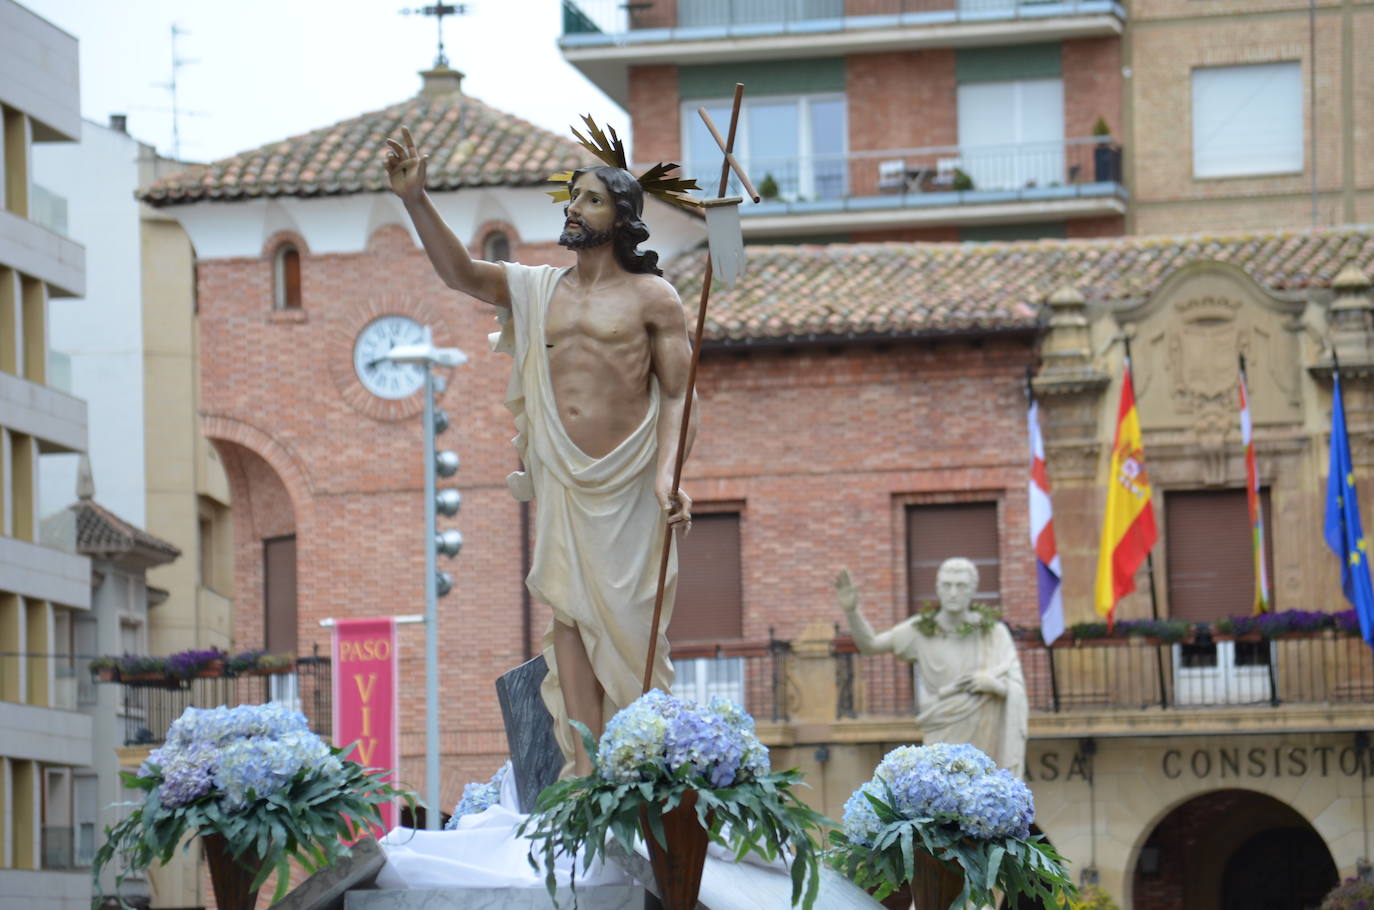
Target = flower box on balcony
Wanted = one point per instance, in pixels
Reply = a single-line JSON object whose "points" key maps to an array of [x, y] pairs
{"points": [[150, 680]]}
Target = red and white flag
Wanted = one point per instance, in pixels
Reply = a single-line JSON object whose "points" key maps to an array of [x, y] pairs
{"points": [[1047, 571]]}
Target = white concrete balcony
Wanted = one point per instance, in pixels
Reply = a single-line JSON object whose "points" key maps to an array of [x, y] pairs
{"points": [[42, 573], [57, 420], [603, 38], [914, 187], [44, 254]]}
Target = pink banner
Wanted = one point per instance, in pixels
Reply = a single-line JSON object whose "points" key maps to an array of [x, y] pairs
{"points": [[365, 686]]}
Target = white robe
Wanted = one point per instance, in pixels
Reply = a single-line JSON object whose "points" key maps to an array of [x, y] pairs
{"points": [[599, 526], [993, 724]]}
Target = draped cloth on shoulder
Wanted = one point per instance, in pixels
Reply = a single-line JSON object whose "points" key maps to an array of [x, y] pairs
{"points": [[598, 525]]}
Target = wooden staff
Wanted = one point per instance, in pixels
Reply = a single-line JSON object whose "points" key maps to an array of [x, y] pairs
{"points": [[726, 166]]}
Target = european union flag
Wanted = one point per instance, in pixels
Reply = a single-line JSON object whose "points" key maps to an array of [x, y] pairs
{"points": [[1344, 533]]}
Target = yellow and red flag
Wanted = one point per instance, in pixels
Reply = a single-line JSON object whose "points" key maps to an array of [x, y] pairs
{"points": [[1128, 526], [1252, 497]]}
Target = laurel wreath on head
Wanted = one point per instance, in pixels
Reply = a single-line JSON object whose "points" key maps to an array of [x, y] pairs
{"points": [[987, 616], [656, 181]]}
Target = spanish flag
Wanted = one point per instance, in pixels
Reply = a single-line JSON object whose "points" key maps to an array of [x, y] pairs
{"points": [[1128, 527]]}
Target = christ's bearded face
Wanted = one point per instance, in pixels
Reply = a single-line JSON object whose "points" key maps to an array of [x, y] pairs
{"points": [[589, 214]]}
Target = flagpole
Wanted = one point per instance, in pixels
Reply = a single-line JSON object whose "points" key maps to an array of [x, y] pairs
{"points": [[1049, 651], [681, 455], [1150, 571]]}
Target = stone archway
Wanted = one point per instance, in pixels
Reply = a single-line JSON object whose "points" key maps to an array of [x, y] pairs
{"points": [[1232, 849]]}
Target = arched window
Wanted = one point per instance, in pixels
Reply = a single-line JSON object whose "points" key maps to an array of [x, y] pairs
{"points": [[287, 277], [496, 247]]}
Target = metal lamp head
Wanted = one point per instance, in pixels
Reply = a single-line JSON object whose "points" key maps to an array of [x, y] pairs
{"points": [[447, 502], [446, 463], [443, 583], [448, 543]]}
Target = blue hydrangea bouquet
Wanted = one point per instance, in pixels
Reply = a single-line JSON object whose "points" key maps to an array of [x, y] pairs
{"points": [[256, 781], [952, 803], [661, 753]]}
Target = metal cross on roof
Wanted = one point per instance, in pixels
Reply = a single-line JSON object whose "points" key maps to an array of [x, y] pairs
{"points": [[438, 11]]}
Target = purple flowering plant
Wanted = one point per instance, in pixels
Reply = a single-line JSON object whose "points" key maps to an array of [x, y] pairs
{"points": [[954, 803], [258, 776], [651, 755], [187, 664]]}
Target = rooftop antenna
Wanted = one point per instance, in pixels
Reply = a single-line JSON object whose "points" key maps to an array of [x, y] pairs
{"points": [[177, 63], [438, 11]]}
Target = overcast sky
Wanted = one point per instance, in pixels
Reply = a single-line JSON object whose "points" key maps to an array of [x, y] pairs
{"points": [[268, 69]]}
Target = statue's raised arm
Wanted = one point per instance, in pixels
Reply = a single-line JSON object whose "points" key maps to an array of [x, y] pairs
{"points": [[407, 169]]}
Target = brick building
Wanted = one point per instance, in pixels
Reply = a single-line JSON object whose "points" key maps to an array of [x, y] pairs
{"points": [[981, 120], [862, 406]]}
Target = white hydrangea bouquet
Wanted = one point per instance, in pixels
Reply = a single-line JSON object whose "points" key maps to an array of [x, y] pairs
{"points": [[955, 804], [653, 755], [256, 776], [479, 797]]}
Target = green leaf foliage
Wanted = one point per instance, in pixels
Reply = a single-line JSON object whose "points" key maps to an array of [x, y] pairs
{"points": [[304, 821], [575, 817], [1030, 867]]}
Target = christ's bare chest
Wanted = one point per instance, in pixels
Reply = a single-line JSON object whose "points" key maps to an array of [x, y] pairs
{"points": [[610, 318]]}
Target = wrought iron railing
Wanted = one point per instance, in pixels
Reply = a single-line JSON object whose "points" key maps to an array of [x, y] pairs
{"points": [[59, 847], [148, 707], [750, 673], [687, 19], [1128, 674], [937, 175]]}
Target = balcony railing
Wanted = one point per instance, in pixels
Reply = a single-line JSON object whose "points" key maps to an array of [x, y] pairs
{"points": [[749, 673], [148, 710], [607, 21], [58, 847], [935, 176], [1136, 674]]}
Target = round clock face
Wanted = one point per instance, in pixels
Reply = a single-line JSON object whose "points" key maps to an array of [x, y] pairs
{"points": [[378, 375]]}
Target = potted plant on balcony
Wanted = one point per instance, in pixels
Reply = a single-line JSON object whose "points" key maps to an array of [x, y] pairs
{"points": [[682, 774], [258, 787], [1106, 156], [196, 663], [257, 662], [146, 670], [944, 825], [106, 669]]}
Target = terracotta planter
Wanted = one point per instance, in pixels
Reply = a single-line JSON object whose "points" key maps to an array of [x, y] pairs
{"points": [[150, 680], [212, 670], [678, 869], [899, 899], [936, 885], [107, 674], [231, 878]]}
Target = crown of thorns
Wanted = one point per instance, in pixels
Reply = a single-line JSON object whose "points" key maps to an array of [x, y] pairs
{"points": [[656, 181]]}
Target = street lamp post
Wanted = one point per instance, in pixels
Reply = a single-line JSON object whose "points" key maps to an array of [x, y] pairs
{"points": [[449, 542]]}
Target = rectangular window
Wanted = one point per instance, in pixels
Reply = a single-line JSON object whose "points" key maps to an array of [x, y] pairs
{"points": [[732, 12], [793, 147], [710, 601], [937, 532], [1208, 544], [279, 594], [709, 607], [1247, 120], [1011, 133]]}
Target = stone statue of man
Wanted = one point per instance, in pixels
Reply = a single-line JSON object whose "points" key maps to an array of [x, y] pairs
{"points": [[598, 390], [970, 674]]}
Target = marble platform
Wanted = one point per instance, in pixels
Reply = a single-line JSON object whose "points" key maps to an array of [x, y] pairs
{"points": [[598, 897]]}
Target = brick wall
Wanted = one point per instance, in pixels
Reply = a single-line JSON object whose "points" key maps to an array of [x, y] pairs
{"points": [[864, 428], [1092, 86], [901, 100], [654, 113]]}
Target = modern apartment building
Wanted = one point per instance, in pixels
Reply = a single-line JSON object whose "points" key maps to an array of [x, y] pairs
{"points": [[1001, 119], [44, 592]]}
